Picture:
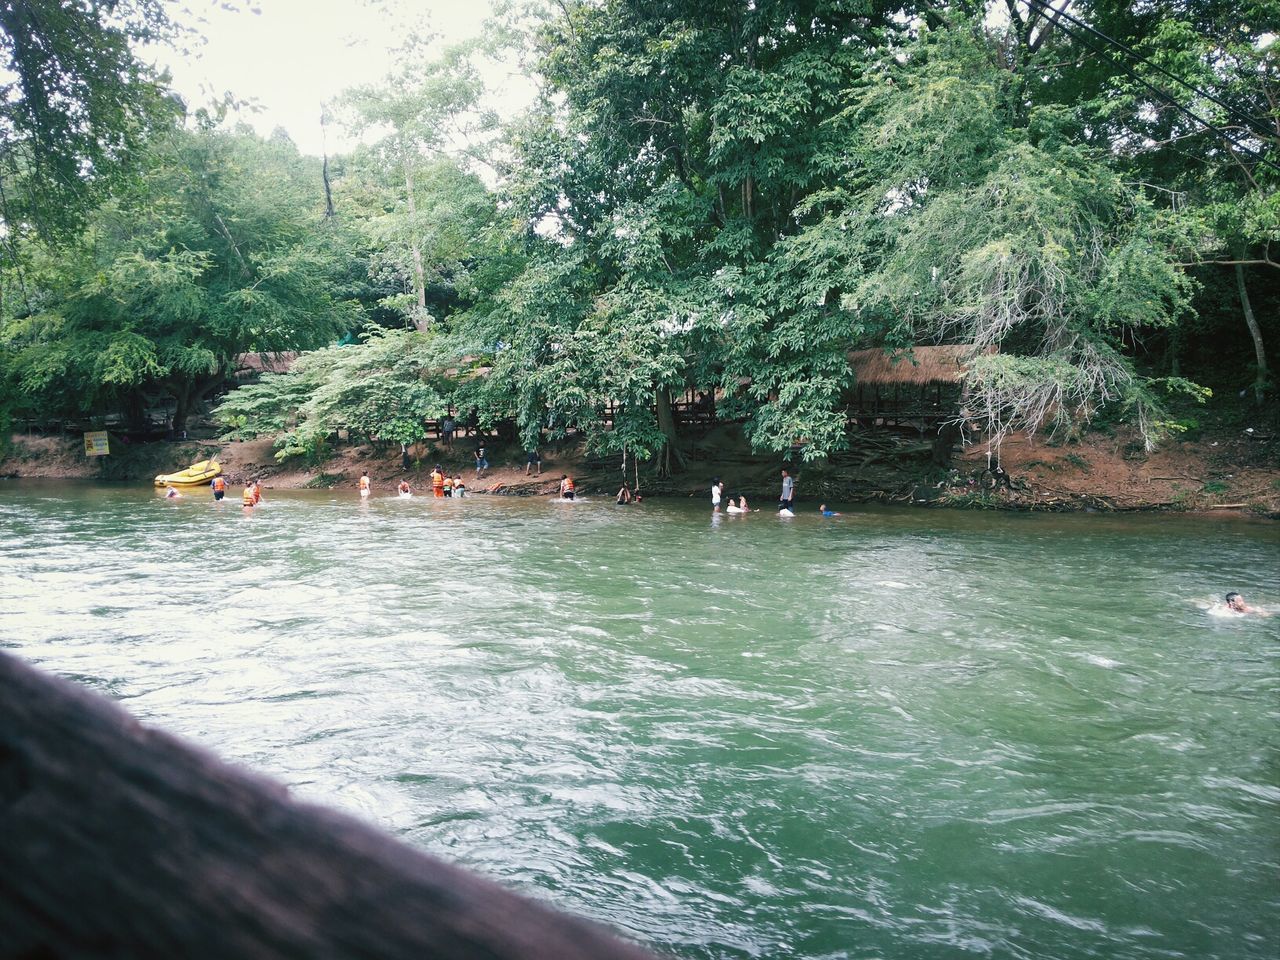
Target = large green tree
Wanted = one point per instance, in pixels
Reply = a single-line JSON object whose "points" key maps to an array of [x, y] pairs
{"points": [[218, 246]]}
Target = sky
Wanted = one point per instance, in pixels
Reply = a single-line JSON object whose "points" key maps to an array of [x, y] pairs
{"points": [[292, 55]]}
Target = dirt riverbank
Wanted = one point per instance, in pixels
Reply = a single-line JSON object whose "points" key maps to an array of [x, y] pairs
{"points": [[1230, 470]]}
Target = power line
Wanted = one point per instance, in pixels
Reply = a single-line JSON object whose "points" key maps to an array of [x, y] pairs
{"points": [[1045, 9], [1257, 157]]}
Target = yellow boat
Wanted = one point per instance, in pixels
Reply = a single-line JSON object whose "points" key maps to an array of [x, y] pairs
{"points": [[196, 475]]}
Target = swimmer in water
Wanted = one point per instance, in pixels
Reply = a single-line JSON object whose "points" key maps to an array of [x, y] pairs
{"points": [[1235, 603], [172, 494], [827, 513], [405, 489]]}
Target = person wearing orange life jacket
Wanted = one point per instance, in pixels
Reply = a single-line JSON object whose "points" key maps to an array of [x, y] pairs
{"points": [[366, 485], [248, 498], [566, 487], [257, 492], [448, 485], [219, 485], [437, 482]]}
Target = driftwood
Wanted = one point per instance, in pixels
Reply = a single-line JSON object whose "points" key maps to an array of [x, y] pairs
{"points": [[120, 841]]}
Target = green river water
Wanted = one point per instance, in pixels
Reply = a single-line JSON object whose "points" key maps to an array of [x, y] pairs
{"points": [[891, 734]]}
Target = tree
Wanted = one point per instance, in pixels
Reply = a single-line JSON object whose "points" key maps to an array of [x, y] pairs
{"points": [[76, 105], [218, 247], [427, 103], [384, 389]]}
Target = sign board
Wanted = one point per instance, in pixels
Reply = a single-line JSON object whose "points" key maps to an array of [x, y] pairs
{"points": [[95, 443]]}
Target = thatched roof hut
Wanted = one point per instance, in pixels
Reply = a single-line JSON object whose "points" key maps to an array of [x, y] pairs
{"points": [[250, 365], [916, 366]]}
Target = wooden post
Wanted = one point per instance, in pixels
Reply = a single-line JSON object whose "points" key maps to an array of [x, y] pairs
{"points": [[121, 841]]}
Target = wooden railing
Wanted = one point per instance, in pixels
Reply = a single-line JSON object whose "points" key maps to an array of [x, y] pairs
{"points": [[117, 840]]}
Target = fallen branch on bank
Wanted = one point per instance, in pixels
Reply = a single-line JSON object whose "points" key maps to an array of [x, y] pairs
{"points": [[123, 841]]}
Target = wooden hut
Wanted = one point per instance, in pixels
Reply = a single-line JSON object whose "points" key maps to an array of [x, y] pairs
{"points": [[249, 367], [918, 387]]}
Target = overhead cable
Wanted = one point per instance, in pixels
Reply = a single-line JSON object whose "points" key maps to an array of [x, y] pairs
{"points": [[1223, 134], [1053, 15]]}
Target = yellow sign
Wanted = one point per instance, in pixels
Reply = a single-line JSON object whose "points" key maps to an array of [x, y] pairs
{"points": [[95, 443]]}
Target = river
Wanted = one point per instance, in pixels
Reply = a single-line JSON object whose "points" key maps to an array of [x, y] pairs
{"points": [[889, 734]]}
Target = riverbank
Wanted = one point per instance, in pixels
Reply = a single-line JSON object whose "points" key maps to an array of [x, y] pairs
{"points": [[1224, 470]]}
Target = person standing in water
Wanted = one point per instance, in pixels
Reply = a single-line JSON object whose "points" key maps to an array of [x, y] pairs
{"points": [[437, 483], [219, 487], [566, 487], [405, 489], [366, 485], [459, 488], [248, 498], [717, 492], [787, 498]]}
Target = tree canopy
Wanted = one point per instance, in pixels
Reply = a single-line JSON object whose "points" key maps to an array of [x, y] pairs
{"points": [[721, 196]]}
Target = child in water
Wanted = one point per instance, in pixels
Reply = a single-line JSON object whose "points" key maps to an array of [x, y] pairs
{"points": [[459, 488]]}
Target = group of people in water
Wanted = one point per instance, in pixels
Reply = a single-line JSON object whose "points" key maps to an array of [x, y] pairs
{"points": [[786, 499], [442, 485]]}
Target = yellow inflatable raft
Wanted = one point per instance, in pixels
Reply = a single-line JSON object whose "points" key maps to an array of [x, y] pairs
{"points": [[196, 475]]}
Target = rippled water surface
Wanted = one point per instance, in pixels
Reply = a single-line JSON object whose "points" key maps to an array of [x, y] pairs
{"points": [[888, 734]]}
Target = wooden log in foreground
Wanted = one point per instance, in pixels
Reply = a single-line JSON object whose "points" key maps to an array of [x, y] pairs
{"points": [[121, 841]]}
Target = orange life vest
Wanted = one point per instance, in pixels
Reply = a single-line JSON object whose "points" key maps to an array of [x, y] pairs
{"points": [[364, 483], [437, 479], [219, 484], [568, 484]]}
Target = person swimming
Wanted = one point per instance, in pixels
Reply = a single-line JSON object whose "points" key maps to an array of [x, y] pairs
{"points": [[827, 513], [172, 494], [1235, 603]]}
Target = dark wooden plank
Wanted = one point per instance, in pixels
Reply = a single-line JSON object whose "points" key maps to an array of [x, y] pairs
{"points": [[117, 840]]}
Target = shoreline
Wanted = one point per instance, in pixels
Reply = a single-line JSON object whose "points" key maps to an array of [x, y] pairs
{"points": [[1101, 475]]}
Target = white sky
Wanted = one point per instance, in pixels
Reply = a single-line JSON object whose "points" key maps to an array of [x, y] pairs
{"points": [[292, 55]]}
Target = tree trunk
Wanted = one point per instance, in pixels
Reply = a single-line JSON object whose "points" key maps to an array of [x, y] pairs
{"points": [[948, 436], [328, 190], [419, 275], [1260, 381], [181, 409], [667, 424]]}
